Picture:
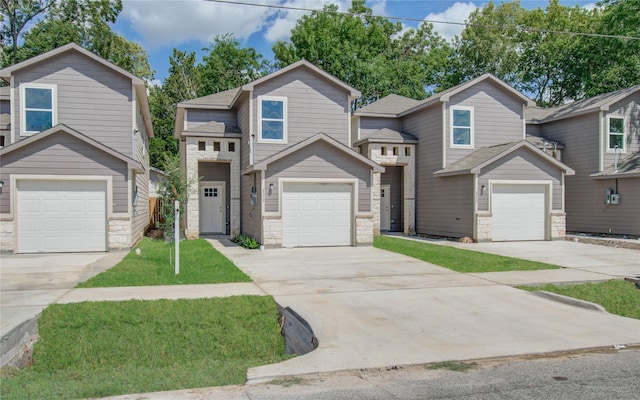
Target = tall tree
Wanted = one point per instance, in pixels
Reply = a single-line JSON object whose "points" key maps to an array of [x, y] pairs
{"points": [[182, 83], [86, 23], [17, 15], [615, 61], [227, 65], [366, 51]]}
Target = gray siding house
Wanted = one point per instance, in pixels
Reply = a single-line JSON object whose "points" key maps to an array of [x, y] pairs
{"points": [[273, 159], [75, 160], [462, 164], [601, 136]]}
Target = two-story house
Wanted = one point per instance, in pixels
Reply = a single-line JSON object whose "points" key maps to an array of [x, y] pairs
{"points": [[602, 144], [273, 159], [477, 174], [74, 169]]}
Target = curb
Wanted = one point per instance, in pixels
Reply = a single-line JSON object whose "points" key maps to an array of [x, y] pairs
{"points": [[569, 301]]}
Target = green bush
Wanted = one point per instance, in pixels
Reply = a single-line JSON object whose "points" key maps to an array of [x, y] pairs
{"points": [[246, 241]]}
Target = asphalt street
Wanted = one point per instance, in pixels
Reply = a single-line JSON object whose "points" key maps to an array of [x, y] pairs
{"points": [[613, 375]]}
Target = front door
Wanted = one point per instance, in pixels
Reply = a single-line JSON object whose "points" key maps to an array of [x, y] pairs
{"points": [[212, 207], [385, 205]]}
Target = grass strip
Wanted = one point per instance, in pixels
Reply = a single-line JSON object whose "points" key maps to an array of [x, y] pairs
{"points": [[199, 263], [460, 260], [616, 296], [97, 349]]}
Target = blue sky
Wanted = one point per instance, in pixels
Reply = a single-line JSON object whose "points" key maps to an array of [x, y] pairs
{"points": [[161, 25]]}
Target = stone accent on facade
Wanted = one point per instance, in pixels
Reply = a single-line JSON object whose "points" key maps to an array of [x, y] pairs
{"points": [[558, 225], [365, 228], [408, 162], [375, 206], [193, 157], [272, 232], [7, 237], [119, 232], [484, 227]]}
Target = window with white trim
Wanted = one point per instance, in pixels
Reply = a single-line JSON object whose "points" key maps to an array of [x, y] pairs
{"points": [[272, 119], [461, 126], [615, 134], [38, 108]]}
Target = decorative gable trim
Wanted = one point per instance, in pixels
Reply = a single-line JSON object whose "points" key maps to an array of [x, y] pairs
{"points": [[61, 128], [262, 165]]}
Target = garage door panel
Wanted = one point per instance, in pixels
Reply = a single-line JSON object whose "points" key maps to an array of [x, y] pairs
{"points": [[61, 216], [316, 215], [519, 212]]}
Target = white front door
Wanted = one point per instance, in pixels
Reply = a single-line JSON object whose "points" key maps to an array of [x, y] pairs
{"points": [[212, 208], [385, 207]]}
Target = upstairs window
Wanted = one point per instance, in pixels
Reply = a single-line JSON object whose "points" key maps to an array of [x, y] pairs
{"points": [[272, 116], [38, 108], [615, 134], [461, 127]]}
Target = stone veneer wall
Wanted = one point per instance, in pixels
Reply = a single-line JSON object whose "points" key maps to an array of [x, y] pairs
{"points": [[409, 181], [7, 236], [119, 232], [558, 225], [193, 157]]}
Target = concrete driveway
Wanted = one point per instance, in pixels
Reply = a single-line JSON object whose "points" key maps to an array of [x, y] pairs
{"points": [[30, 282], [373, 309]]}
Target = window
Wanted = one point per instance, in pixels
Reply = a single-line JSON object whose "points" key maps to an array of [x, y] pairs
{"points": [[210, 192], [202, 146], [615, 134], [216, 146], [462, 127], [383, 150], [407, 151], [272, 115], [231, 147], [2, 141], [38, 108], [395, 150]]}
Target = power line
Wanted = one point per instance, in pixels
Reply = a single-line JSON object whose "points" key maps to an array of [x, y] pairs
{"points": [[409, 19]]}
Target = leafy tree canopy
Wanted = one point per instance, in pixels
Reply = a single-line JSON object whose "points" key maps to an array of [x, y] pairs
{"points": [[367, 52], [84, 22]]}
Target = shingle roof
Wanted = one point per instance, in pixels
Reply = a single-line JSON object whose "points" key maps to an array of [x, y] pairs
{"points": [[386, 135], [221, 99], [484, 156], [596, 103], [539, 142], [627, 167], [391, 105]]}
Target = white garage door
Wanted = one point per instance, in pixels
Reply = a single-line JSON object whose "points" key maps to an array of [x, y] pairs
{"points": [[61, 216], [316, 214], [519, 212]]}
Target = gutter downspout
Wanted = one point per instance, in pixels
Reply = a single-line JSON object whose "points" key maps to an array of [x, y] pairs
{"points": [[600, 141]]}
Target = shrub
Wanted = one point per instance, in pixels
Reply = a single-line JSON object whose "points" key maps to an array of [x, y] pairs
{"points": [[246, 241]]}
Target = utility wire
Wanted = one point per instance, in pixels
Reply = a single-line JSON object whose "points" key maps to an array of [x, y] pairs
{"points": [[409, 19]]}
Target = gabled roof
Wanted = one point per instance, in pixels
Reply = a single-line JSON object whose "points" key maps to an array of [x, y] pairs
{"points": [[474, 162], [138, 83], [628, 167], [386, 135], [222, 100], [320, 137], [445, 95], [61, 128], [601, 102], [389, 106], [354, 93]]}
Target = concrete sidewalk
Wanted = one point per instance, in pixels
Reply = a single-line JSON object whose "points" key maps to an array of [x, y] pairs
{"points": [[371, 308]]}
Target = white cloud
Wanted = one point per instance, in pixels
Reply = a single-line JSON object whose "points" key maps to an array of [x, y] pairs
{"points": [[173, 22], [459, 12], [590, 6], [379, 7], [280, 27]]}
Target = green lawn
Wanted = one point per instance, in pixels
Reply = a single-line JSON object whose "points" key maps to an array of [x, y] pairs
{"points": [[617, 297], [199, 263], [456, 259], [97, 349]]}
